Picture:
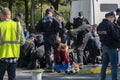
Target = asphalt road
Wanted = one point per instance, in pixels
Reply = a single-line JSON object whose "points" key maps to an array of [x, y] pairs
{"points": [[27, 75], [23, 74]]}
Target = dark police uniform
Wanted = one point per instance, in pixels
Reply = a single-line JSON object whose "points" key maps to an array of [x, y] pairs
{"points": [[50, 27], [80, 20], [108, 33], [109, 37], [81, 36]]}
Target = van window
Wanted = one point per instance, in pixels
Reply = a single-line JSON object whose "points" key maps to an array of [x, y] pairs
{"points": [[108, 7]]}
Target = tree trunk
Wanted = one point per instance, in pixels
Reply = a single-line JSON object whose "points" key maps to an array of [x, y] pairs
{"points": [[26, 12], [56, 6], [55, 3], [41, 8], [33, 15], [10, 5]]}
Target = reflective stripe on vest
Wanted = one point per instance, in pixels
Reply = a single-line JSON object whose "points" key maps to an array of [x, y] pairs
{"points": [[11, 42]]}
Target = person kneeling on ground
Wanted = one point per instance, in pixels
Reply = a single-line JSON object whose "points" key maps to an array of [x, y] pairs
{"points": [[62, 60]]}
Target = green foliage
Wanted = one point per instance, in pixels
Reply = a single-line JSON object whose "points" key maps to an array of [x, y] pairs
{"points": [[3, 3], [40, 13], [65, 11], [62, 1], [19, 6]]}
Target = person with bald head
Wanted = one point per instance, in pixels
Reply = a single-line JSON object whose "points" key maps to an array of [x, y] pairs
{"points": [[11, 38]]}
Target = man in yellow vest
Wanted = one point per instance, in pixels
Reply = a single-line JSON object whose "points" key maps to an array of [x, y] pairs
{"points": [[11, 37]]}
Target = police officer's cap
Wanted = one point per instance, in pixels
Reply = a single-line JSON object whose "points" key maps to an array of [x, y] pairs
{"points": [[49, 10], [109, 14]]}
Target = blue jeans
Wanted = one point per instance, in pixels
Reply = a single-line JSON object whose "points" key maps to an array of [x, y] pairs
{"points": [[109, 55], [11, 70], [62, 67]]}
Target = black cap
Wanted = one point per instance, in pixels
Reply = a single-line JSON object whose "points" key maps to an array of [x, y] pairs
{"points": [[20, 15], [32, 35], [49, 10], [80, 13], [109, 14]]}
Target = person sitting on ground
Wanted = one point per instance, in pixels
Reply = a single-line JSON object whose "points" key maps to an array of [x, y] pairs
{"points": [[27, 51], [62, 60]]}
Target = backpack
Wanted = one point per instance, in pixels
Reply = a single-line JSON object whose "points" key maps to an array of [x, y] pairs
{"points": [[61, 56]]}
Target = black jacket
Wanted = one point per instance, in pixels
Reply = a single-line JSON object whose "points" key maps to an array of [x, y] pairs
{"points": [[79, 21], [49, 25], [118, 21], [108, 33]]}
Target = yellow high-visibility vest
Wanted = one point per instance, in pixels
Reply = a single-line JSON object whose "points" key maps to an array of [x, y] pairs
{"points": [[9, 39]]}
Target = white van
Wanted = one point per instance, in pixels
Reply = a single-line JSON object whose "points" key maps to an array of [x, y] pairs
{"points": [[93, 10]]}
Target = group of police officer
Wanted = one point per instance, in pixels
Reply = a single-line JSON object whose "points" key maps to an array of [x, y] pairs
{"points": [[52, 26], [85, 37]]}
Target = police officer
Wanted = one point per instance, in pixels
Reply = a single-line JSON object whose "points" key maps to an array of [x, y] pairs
{"points": [[50, 28], [11, 37], [80, 20], [109, 37], [63, 32], [81, 36]]}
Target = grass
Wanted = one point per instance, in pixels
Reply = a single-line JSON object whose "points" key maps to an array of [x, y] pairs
{"points": [[84, 72]]}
